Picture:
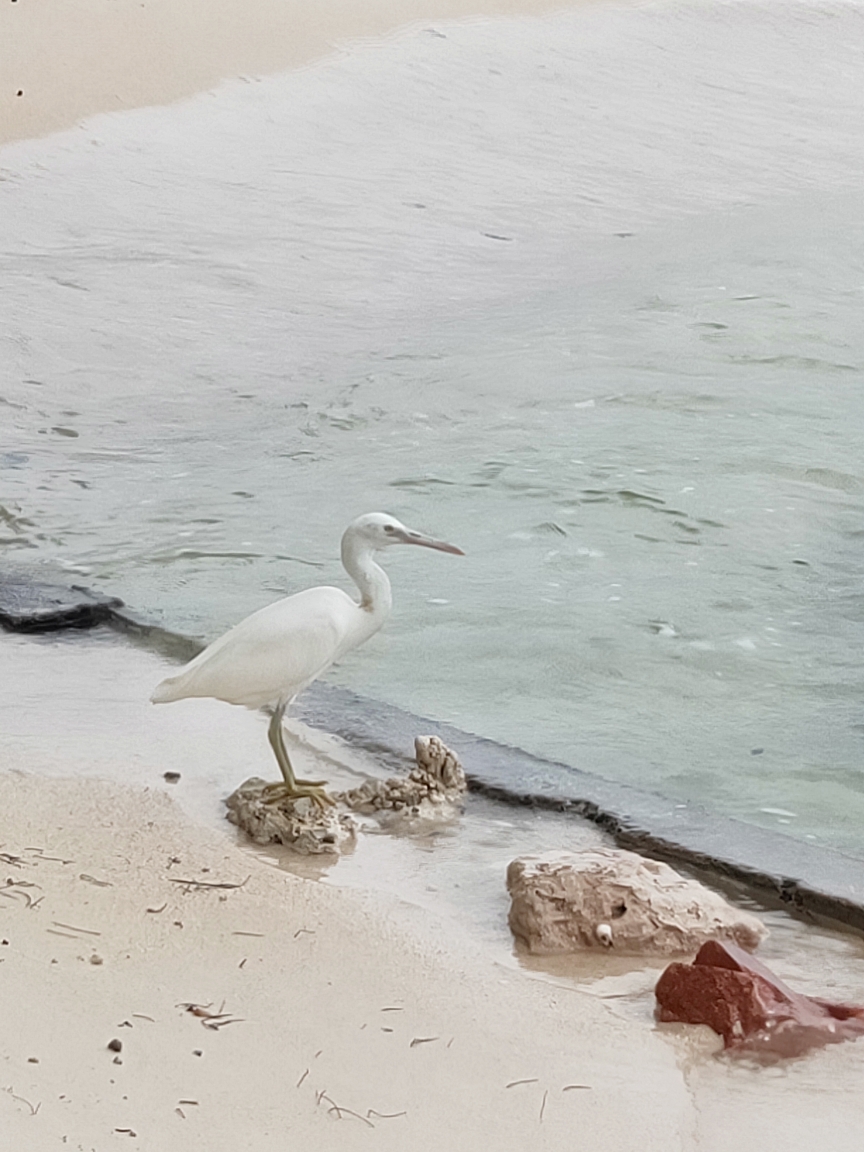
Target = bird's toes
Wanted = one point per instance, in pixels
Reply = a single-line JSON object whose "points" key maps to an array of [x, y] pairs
{"points": [[305, 789], [323, 799]]}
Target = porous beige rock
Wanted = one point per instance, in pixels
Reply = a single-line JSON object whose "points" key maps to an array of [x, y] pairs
{"points": [[610, 898], [433, 788], [301, 824], [437, 783]]}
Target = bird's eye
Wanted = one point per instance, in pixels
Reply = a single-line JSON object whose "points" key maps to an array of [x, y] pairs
{"points": [[389, 528]]}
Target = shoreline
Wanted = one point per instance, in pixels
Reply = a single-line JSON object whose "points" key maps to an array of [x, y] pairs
{"points": [[129, 54], [779, 870]]}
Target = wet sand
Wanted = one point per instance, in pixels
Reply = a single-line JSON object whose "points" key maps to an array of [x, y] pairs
{"points": [[388, 995], [69, 59]]}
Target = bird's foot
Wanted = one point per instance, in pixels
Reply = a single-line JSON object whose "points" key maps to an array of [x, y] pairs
{"points": [[313, 789]]}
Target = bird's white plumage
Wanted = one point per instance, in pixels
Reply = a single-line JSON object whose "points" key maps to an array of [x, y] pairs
{"points": [[278, 651], [272, 654]]}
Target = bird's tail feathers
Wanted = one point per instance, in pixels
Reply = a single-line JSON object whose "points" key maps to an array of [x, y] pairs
{"points": [[165, 692]]}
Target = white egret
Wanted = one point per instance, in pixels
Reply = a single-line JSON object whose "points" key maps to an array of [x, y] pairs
{"points": [[272, 655]]}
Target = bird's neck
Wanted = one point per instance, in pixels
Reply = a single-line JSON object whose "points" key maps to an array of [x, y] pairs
{"points": [[370, 578]]}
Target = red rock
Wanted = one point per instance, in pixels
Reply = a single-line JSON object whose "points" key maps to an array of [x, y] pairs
{"points": [[751, 1008]]}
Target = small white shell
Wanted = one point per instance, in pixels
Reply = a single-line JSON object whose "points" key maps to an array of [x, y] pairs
{"points": [[603, 932]]}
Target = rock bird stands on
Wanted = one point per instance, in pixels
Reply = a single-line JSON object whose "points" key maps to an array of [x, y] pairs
{"points": [[272, 655]]}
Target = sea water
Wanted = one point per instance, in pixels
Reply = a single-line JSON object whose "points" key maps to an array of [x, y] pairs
{"points": [[581, 293]]}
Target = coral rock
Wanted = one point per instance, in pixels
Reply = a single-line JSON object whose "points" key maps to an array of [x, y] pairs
{"points": [[750, 1007], [608, 898], [440, 765], [436, 782], [431, 789], [299, 823]]}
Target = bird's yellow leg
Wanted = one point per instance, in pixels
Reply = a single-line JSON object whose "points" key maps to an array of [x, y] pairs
{"points": [[292, 788], [277, 742]]}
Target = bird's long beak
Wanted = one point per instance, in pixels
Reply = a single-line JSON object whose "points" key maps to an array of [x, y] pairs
{"points": [[410, 537]]}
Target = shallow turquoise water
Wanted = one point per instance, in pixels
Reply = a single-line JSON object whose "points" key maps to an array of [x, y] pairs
{"points": [[582, 294]]}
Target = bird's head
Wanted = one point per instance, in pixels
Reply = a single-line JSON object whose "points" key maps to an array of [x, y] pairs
{"points": [[377, 530]]}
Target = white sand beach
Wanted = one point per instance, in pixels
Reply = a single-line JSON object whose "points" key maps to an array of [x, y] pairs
{"points": [[339, 1027]]}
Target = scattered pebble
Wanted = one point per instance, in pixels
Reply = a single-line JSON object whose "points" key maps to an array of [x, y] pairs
{"points": [[115, 1045]]}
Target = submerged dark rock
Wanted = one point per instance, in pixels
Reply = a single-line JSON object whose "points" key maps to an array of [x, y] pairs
{"points": [[28, 606], [752, 1009]]}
